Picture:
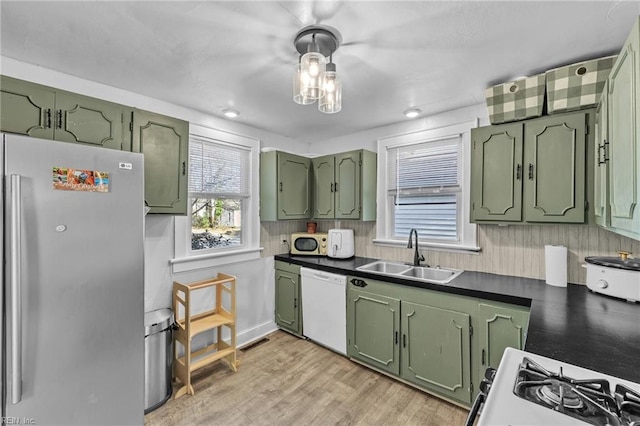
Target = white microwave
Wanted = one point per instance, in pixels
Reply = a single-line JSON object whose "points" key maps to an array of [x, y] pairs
{"points": [[309, 244]]}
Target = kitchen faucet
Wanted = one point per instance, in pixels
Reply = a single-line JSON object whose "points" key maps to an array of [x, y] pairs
{"points": [[417, 257]]}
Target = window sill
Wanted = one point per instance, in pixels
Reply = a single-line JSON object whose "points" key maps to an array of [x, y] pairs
{"points": [[210, 260], [456, 248]]}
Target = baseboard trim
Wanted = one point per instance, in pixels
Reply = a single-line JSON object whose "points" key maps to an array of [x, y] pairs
{"points": [[249, 336]]}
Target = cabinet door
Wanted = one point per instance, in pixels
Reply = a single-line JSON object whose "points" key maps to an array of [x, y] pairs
{"points": [[373, 327], [436, 349], [347, 186], [288, 301], [496, 173], [601, 165], [164, 141], [624, 127], [80, 119], [294, 186], [499, 327], [323, 187], [555, 156], [26, 109]]}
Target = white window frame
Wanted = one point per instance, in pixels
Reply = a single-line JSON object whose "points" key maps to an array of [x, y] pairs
{"points": [[467, 232], [186, 259]]}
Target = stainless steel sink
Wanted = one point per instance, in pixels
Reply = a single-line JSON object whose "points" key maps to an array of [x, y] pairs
{"points": [[437, 275], [419, 273], [383, 267]]}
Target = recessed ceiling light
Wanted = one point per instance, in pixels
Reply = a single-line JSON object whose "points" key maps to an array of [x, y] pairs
{"points": [[412, 113], [230, 113]]}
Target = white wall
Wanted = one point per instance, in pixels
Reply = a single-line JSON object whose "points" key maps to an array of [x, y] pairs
{"points": [[255, 291], [368, 139]]}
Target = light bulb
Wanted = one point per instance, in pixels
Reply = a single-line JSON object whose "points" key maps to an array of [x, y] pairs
{"points": [[314, 69], [330, 85]]}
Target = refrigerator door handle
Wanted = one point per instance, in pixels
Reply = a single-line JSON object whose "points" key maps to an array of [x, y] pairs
{"points": [[16, 299]]}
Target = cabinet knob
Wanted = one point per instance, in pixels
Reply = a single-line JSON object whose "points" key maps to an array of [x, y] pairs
{"points": [[530, 171], [602, 284]]}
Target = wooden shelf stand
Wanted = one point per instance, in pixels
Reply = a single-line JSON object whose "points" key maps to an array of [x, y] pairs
{"points": [[191, 324]]}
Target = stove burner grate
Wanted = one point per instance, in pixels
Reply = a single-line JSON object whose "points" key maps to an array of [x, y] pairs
{"points": [[588, 400], [560, 394]]}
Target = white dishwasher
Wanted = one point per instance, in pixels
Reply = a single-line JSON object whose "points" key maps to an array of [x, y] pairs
{"points": [[324, 308]]}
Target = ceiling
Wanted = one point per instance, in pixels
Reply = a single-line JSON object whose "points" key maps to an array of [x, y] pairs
{"points": [[210, 55]]}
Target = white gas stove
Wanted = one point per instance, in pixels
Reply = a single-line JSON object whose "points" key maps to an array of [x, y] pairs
{"points": [[532, 390]]}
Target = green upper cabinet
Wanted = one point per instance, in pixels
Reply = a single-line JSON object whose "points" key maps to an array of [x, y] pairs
{"points": [[496, 173], [42, 112], [373, 329], [436, 349], [601, 163], [287, 306], [285, 186], [623, 125], [164, 141], [555, 164], [26, 108], [323, 187], [532, 171], [345, 186], [500, 326], [90, 121]]}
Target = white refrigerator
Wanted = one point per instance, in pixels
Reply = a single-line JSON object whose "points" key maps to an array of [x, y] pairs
{"points": [[73, 306]]}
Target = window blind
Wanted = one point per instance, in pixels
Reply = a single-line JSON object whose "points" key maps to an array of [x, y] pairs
{"points": [[424, 180], [425, 167], [218, 169]]}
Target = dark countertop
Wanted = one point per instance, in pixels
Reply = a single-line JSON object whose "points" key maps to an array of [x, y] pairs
{"points": [[571, 324]]}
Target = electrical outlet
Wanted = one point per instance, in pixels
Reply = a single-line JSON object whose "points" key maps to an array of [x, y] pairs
{"points": [[283, 239]]}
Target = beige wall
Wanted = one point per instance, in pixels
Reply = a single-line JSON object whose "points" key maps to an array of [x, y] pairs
{"points": [[512, 250]]}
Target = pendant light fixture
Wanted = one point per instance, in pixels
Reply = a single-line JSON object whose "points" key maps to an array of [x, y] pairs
{"points": [[331, 102], [314, 79], [300, 83]]}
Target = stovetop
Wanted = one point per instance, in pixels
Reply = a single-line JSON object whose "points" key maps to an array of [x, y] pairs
{"points": [[529, 389], [589, 400]]}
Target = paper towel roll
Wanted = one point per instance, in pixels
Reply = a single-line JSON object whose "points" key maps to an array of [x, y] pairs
{"points": [[555, 262]]}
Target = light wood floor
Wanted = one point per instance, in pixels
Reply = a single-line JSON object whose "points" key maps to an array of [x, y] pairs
{"points": [[290, 381]]}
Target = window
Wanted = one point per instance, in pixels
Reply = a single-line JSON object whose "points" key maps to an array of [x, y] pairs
{"points": [[423, 185], [223, 224], [218, 189]]}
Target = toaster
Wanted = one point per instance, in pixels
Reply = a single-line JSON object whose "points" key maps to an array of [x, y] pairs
{"points": [[341, 243]]}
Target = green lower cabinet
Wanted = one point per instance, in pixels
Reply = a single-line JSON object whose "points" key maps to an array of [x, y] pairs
{"points": [[499, 326], [436, 349], [288, 301], [373, 330]]}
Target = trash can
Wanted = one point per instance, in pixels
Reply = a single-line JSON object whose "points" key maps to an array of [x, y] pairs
{"points": [[158, 357]]}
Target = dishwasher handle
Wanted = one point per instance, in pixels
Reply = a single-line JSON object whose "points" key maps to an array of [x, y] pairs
{"points": [[358, 283]]}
